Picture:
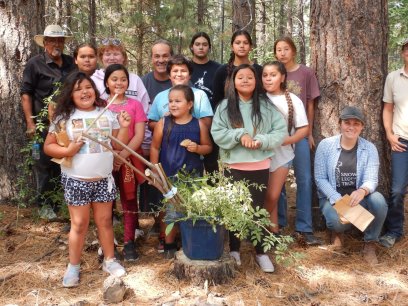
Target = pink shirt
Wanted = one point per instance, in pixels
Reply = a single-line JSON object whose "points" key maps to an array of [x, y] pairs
{"points": [[251, 166], [135, 109]]}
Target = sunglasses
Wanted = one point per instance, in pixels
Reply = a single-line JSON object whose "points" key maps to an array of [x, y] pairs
{"points": [[110, 41]]}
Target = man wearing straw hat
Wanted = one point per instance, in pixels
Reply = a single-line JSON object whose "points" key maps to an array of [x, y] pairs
{"points": [[40, 76]]}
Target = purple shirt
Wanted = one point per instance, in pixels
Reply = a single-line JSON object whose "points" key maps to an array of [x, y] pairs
{"points": [[303, 83]]}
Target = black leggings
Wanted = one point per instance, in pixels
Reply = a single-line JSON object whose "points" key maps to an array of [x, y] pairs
{"points": [[259, 177]]}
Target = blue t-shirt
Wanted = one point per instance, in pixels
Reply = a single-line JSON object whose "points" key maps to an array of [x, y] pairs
{"points": [[202, 106], [173, 156]]}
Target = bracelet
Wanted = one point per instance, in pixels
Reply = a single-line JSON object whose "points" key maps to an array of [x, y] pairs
{"points": [[366, 192]]}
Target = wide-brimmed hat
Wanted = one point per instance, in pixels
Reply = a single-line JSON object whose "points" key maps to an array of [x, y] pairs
{"points": [[52, 30], [352, 112]]}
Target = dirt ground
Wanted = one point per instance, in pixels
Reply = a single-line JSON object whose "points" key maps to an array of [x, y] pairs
{"points": [[33, 258]]}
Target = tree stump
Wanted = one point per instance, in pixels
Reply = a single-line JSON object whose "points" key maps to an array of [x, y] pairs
{"points": [[198, 271]]}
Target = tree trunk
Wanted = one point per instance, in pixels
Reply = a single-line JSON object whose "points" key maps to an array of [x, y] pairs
{"points": [[243, 15], [349, 54], [69, 16], [281, 24], [92, 21], [19, 22], [289, 20], [58, 11], [200, 12], [301, 34]]}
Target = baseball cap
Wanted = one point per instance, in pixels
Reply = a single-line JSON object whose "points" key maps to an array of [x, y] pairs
{"points": [[352, 112]]}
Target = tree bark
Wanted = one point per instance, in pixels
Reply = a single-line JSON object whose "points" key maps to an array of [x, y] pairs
{"points": [[58, 11], [349, 54], [243, 12], [301, 34], [20, 20], [219, 271], [92, 21], [200, 12]]}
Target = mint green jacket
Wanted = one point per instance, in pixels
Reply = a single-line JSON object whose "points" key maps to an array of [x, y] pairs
{"points": [[271, 133]]}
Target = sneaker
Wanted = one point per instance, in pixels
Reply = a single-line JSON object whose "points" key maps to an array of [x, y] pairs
{"points": [[115, 252], [71, 276], [129, 252], [113, 267], [236, 256], [369, 253], [310, 239], [265, 263], [160, 246], [387, 241]]}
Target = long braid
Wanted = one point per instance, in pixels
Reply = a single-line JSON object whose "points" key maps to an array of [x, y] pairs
{"points": [[290, 111], [230, 69]]}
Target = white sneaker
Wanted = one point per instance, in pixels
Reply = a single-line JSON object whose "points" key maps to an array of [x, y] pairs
{"points": [[71, 276], [236, 256], [265, 263], [113, 267]]}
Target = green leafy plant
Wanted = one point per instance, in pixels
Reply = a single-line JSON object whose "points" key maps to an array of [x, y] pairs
{"points": [[26, 193], [219, 200]]}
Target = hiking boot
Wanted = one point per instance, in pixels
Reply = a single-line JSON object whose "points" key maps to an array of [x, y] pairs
{"points": [[113, 267], [387, 241], [369, 253], [265, 263], [129, 252], [310, 239], [71, 276], [236, 256]]}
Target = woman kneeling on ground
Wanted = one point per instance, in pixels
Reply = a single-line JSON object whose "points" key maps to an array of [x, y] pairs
{"points": [[348, 164]]}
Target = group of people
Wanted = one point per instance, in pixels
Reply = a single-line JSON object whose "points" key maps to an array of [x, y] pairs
{"points": [[258, 120]]}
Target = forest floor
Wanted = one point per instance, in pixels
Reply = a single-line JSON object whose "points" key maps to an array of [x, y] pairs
{"points": [[33, 258]]}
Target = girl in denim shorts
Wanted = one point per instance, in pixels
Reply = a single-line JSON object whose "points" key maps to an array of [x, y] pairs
{"points": [[87, 181]]}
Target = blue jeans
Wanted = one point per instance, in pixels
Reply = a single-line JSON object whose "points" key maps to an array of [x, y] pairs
{"points": [[374, 203], [394, 222], [303, 172]]}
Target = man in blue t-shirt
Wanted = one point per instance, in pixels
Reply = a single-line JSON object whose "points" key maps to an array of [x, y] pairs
{"points": [[179, 69], [158, 79]]}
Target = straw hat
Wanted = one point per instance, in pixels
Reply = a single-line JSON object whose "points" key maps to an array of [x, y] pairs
{"points": [[52, 30]]}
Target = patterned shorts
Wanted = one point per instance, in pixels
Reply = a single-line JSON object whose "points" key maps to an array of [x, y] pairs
{"points": [[79, 193]]}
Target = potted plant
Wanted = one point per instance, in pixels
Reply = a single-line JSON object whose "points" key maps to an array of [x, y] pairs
{"points": [[213, 203]]}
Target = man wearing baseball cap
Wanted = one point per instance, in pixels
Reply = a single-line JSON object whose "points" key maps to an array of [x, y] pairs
{"points": [[40, 76], [395, 118]]}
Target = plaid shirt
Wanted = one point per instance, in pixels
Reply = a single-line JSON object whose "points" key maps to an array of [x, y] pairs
{"points": [[327, 155]]}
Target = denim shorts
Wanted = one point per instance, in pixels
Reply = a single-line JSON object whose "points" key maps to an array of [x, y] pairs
{"points": [[80, 193], [288, 164]]}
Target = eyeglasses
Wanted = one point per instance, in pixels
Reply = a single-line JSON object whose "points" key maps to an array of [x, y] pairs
{"points": [[110, 41]]}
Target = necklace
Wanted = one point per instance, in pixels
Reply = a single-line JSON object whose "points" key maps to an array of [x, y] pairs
{"points": [[117, 107]]}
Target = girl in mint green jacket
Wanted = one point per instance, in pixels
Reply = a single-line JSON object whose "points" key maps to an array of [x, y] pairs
{"points": [[246, 127]]}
